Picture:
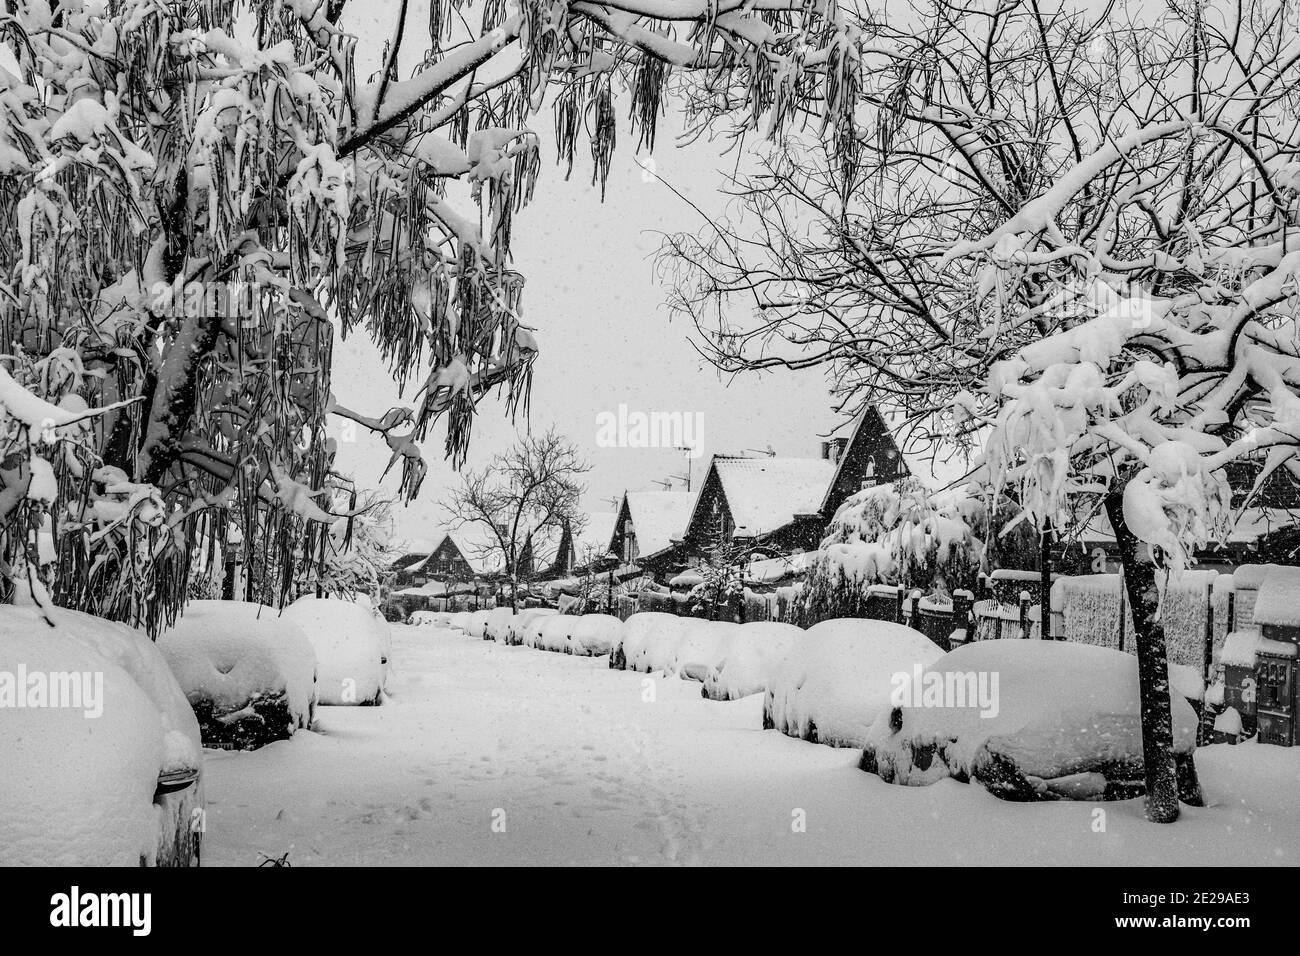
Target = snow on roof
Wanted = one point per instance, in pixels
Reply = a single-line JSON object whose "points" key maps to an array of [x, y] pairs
{"points": [[596, 535], [478, 563], [767, 493], [658, 517]]}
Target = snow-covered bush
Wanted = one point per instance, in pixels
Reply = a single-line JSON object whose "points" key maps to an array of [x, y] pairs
{"points": [[249, 674], [78, 785], [350, 656], [747, 659], [838, 678], [1027, 719], [898, 534]]}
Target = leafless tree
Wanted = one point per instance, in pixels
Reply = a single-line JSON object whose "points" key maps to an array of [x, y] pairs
{"points": [[519, 500], [1070, 233]]}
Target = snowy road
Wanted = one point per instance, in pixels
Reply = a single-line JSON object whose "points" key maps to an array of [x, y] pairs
{"points": [[490, 754]]}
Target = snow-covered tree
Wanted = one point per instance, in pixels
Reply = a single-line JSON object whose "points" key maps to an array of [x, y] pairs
{"points": [[1096, 259], [897, 534], [199, 196]]}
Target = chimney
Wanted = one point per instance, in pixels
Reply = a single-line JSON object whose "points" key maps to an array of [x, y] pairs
{"points": [[826, 451]]}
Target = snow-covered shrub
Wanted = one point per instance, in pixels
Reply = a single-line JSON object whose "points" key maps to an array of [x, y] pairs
{"points": [[838, 677], [747, 659], [350, 657], [1028, 719], [249, 674], [78, 789], [899, 534]]}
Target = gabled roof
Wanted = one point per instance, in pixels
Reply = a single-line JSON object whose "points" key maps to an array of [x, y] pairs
{"points": [[596, 535], [765, 494], [659, 518], [477, 565]]}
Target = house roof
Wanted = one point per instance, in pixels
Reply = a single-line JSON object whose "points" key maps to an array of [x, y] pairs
{"points": [[765, 494], [659, 518], [596, 535], [476, 563]]}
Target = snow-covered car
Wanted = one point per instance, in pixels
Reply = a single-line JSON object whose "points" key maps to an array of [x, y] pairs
{"points": [[583, 635], [747, 658], [700, 648], [478, 621], [459, 620], [105, 768], [524, 623], [349, 643], [837, 679], [430, 619], [648, 641], [498, 624], [249, 674], [1030, 720]]}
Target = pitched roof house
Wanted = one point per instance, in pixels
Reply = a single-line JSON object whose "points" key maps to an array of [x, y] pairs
{"points": [[445, 561], [784, 504], [648, 525]]}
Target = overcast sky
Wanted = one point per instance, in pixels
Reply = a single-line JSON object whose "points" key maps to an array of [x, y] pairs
{"points": [[605, 333]]}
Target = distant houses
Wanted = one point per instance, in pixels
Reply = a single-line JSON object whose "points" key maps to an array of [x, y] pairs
{"points": [[445, 561], [648, 530], [781, 506], [770, 506]]}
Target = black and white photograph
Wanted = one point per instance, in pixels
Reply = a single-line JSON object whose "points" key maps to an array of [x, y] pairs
{"points": [[651, 433]]}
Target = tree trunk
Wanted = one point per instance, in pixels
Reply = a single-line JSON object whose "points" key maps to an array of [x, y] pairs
{"points": [[1153, 670]]}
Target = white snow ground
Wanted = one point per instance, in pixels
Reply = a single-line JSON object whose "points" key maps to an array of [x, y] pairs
{"points": [[588, 772]]}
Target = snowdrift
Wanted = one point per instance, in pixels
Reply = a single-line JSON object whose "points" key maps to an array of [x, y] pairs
{"points": [[837, 679], [120, 788], [249, 674], [350, 657], [583, 635], [748, 657], [1066, 724]]}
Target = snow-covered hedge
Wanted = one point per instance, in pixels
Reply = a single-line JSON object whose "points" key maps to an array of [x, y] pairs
{"points": [[899, 534], [350, 656], [78, 782], [249, 674], [1090, 612], [1028, 719], [747, 659], [837, 679]]}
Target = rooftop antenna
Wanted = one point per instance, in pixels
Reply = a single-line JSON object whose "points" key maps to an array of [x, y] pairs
{"points": [[687, 450], [666, 483], [769, 451], [613, 501]]}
